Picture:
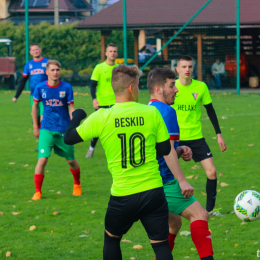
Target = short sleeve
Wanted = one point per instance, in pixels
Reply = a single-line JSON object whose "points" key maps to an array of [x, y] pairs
{"points": [[206, 99], [70, 98], [162, 132], [171, 122], [26, 72], [36, 95], [95, 74], [91, 127]]}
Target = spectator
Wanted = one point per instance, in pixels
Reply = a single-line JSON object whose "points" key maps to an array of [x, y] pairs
{"points": [[218, 71]]}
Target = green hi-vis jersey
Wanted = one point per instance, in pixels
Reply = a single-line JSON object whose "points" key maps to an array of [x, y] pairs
{"points": [[187, 105], [128, 133], [103, 74]]}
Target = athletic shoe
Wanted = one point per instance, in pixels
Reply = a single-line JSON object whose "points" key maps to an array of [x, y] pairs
{"points": [[77, 190], [37, 195], [216, 213], [90, 153]]}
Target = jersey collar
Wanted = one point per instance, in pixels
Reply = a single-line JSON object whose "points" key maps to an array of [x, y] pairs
{"points": [[38, 60], [154, 99], [53, 86]]}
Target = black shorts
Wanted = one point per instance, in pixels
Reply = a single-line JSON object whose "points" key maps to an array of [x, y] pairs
{"points": [[150, 207], [200, 149]]}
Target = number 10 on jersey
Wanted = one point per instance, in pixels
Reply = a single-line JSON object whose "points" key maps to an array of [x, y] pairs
{"points": [[132, 146]]}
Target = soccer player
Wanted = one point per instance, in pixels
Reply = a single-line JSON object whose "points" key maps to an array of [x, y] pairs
{"points": [[179, 194], [191, 94], [131, 134], [57, 99], [101, 83], [36, 70]]}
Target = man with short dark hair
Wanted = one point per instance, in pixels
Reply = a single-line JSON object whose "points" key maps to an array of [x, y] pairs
{"points": [[191, 94], [58, 102], [161, 85], [218, 71], [132, 135], [101, 83], [36, 70]]}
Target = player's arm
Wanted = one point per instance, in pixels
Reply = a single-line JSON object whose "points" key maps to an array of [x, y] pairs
{"points": [[35, 109], [184, 152], [20, 88], [71, 135], [93, 88], [214, 120], [173, 164], [71, 109]]}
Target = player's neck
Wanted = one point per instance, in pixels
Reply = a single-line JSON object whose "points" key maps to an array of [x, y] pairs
{"points": [[53, 83], [158, 97], [124, 98], [37, 58], [185, 82], [110, 62]]}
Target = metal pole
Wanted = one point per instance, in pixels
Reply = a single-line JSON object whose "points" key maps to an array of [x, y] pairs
{"points": [[125, 31], [238, 47], [175, 35], [56, 12], [26, 6]]}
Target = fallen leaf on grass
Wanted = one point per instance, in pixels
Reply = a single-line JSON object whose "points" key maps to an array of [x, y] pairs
{"points": [[185, 233], [137, 247], [203, 193], [196, 177], [126, 241], [132, 258], [231, 129], [189, 177], [26, 165], [223, 184], [243, 223], [251, 145], [83, 235], [214, 137], [93, 211], [236, 245], [32, 227], [194, 168], [51, 190], [1, 213], [16, 213], [52, 231], [186, 256], [254, 243], [86, 231], [58, 192], [11, 162], [224, 117], [252, 187], [56, 213], [71, 252], [30, 201], [219, 190], [223, 253], [8, 254], [221, 174], [193, 249]]}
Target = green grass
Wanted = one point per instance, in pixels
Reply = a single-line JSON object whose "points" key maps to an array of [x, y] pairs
{"points": [[57, 237]]}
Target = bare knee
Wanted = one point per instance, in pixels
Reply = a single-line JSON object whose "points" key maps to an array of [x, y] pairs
{"points": [[175, 223], [42, 162], [212, 173], [73, 164]]}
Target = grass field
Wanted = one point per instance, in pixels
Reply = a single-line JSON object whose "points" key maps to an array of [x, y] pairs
{"points": [[77, 232]]}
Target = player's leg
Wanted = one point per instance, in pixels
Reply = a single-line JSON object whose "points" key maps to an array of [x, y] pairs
{"points": [[200, 233], [211, 186], [67, 151], [154, 217], [44, 152]]}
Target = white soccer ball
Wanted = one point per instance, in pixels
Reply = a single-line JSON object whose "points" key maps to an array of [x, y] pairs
{"points": [[247, 205]]}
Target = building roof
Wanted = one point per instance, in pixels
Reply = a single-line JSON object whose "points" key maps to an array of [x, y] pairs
{"points": [[64, 6], [169, 13]]}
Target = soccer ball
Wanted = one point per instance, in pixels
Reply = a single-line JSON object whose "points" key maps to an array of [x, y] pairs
{"points": [[247, 205]]}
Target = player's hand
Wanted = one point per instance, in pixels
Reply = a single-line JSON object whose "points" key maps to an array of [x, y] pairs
{"points": [[14, 99], [187, 189], [186, 153], [221, 143], [95, 103], [36, 132]]}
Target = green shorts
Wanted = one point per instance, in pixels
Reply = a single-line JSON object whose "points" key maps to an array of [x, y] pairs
{"points": [[176, 201], [40, 111], [49, 140]]}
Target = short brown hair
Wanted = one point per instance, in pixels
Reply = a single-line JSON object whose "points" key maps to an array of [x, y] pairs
{"points": [[35, 44], [52, 62], [123, 76], [184, 57], [111, 45], [158, 77]]}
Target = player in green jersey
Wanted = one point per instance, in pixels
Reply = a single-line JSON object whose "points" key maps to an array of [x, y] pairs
{"points": [[101, 83], [132, 135], [191, 94]]}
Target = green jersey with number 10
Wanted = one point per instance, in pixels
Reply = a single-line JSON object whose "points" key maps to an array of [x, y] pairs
{"points": [[128, 133]]}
